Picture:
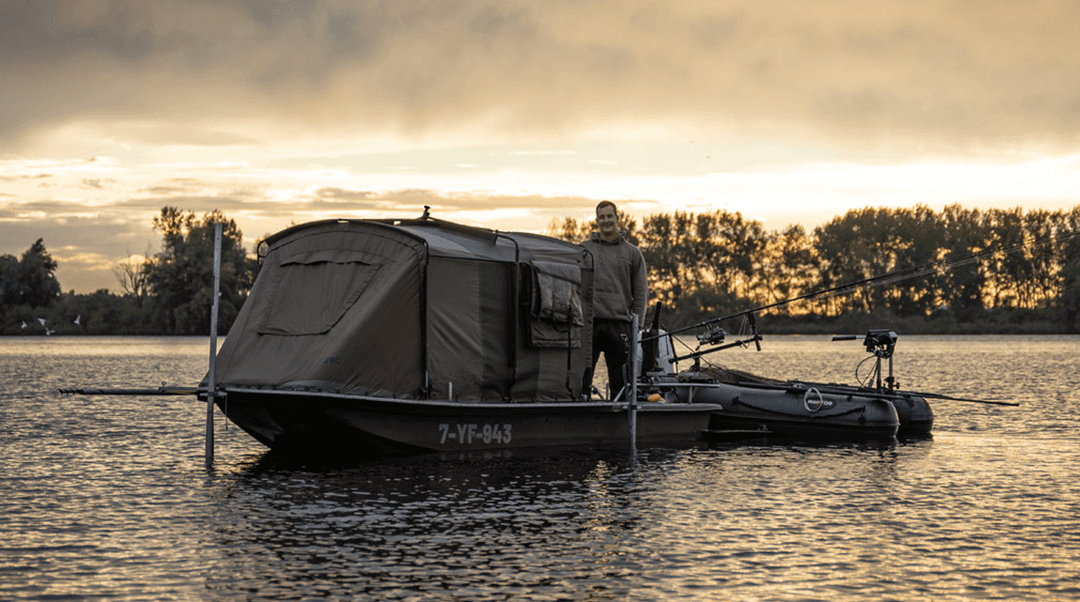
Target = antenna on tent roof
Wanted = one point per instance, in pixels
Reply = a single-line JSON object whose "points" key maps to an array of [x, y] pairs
{"points": [[426, 215]]}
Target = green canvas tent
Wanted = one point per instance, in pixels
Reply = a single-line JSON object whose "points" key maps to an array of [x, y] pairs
{"points": [[415, 309]]}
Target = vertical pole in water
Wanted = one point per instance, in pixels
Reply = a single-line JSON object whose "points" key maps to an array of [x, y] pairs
{"points": [[634, 373], [211, 385]]}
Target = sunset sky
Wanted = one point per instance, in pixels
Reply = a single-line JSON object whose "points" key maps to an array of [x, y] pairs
{"points": [[507, 114]]}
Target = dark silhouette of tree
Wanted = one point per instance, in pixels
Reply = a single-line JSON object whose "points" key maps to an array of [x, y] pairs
{"points": [[31, 280], [852, 249], [1005, 229], [568, 229], [917, 240], [1069, 257], [964, 238], [134, 275], [9, 281], [181, 275], [790, 268], [1041, 283], [664, 241]]}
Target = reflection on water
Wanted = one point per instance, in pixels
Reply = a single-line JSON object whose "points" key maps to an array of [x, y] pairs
{"points": [[480, 529], [108, 498]]}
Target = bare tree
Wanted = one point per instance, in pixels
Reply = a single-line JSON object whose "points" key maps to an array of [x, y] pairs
{"points": [[133, 275]]}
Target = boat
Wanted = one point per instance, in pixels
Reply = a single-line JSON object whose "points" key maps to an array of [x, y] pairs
{"points": [[384, 337], [367, 338], [753, 406]]}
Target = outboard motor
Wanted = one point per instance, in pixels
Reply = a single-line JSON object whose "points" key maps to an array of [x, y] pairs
{"points": [[881, 343], [665, 353], [656, 352]]}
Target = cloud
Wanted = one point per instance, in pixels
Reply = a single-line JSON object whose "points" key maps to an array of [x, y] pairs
{"points": [[246, 73], [332, 194], [173, 186], [14, 178], [508, 113]]}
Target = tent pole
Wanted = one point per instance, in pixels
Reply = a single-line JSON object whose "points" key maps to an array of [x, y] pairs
{"points": [[634, 373], [211, 385]]}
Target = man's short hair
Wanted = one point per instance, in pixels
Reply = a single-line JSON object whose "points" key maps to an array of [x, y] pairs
{"points": [[603, 204]]}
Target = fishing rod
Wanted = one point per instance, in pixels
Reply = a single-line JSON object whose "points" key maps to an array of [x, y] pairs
{"points": [[951, 398], [162, 390], [868, 392], [882, 279]]}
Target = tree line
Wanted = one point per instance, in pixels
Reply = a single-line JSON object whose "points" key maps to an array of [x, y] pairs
{"points": [[958, 270], [166, 293], [953, 267]]}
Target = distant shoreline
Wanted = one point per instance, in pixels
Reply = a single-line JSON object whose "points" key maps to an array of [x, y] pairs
{"points": [[771, 325]]}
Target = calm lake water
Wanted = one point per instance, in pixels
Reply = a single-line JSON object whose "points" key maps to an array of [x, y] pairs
{"points": [[108, 498]]}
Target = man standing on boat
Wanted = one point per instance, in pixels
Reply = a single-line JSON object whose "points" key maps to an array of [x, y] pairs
{"points": [[619, 291]]}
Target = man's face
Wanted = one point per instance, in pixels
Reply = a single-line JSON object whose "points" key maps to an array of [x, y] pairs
{"points": [[607, 221]]}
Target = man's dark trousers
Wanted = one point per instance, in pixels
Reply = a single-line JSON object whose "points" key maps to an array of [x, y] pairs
{"points": [[608, 337]]}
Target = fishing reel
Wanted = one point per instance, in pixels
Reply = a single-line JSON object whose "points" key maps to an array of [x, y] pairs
{"points": [[712, 336]]}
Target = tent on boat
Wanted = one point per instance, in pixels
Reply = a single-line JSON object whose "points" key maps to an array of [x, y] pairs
{"points": [[415, 309]]}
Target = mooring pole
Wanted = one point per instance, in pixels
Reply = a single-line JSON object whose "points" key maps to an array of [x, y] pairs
{"points": [[211, 385], [634, 373]]}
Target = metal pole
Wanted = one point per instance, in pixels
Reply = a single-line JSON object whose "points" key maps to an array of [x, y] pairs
{"points": [[634, 373], [211, 384]]}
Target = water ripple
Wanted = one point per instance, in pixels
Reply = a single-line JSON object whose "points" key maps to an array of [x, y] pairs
{"points": [[108, 499]]}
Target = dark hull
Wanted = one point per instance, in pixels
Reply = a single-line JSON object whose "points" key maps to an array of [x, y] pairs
{"points": [[915, 414], [363, 426], [790, 413]]}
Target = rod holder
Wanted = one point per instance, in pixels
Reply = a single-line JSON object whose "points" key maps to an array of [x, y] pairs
{"points": [[635, 372]]}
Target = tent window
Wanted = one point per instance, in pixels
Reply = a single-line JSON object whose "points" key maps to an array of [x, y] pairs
{"points": [[314, 290], [555, 311]]}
